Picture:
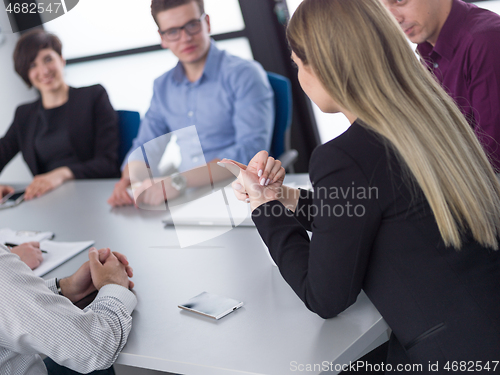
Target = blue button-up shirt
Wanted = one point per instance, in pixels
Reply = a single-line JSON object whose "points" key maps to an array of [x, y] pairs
{"points": [[231, 107]]}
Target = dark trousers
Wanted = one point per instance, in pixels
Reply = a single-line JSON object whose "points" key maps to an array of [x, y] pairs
{"points": [[55, 369]]}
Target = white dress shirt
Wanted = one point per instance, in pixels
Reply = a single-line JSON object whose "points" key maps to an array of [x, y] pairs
{"points": [[35, 319]]}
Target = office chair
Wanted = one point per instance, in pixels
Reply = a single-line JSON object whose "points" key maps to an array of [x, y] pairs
{"points": [[283, 118], [128, 123]]}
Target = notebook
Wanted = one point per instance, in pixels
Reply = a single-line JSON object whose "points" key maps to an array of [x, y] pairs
{"points": [[220, 208], [55, 253]]}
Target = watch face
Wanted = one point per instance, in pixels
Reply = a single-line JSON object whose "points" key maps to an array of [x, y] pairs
{"points": [[179, 182]]}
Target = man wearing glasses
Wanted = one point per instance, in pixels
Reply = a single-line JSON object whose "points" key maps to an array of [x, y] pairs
{"points": [[228, 99]]}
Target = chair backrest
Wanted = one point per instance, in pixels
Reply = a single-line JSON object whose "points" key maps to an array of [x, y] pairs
{"points": [[283, 112], [128, 122]]}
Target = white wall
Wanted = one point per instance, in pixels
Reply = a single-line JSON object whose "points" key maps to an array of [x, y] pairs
{"points": [[13, 92]]}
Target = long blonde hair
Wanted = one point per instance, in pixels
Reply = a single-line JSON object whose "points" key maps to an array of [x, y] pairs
{"points": [[364, 61]]}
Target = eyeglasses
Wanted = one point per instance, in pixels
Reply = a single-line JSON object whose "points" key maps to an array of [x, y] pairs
{"points": [[192, 28]]}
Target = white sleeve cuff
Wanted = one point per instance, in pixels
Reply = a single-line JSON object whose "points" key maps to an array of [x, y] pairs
{"points": [[121, 293], [51, 284]]}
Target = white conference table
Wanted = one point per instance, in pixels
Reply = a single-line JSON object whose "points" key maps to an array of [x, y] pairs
{"points": [[273, 333]]}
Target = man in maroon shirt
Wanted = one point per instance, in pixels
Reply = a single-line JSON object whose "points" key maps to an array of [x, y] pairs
{"points": [[460, 44]]}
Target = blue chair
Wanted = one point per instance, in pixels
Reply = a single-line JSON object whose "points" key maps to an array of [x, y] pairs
{"points": [[128, 123], [283, 118]]}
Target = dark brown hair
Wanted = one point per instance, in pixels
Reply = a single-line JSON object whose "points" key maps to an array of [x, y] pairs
{"points": [[27, 49], [158, 6]]}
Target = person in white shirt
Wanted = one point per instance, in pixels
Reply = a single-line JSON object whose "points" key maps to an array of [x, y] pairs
{"points": [[40, 316]]}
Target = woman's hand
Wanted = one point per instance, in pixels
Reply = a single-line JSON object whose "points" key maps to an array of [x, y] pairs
{"points": [[4, 190], [260, 181], [43, 183]]}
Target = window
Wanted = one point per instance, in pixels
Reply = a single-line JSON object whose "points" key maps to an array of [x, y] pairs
{"points": [[96, 27], [494, 5]]}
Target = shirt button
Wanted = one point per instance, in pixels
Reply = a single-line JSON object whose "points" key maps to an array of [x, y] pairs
{"points": [[435, 65], [190, 113], [195, 159]]}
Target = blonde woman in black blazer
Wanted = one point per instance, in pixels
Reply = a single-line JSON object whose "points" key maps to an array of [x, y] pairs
{"points": [[69, 133], [405, 204]]}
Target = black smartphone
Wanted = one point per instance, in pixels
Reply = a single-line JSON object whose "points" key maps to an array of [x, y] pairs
{"points": [[12, 199]]}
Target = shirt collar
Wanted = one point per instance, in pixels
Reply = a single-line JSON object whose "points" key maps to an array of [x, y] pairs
{"points": [[451, 34], [210, 69]]}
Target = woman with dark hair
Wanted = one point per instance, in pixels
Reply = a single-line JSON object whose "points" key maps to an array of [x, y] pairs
{"points": [[69, 133], [405, 203]]}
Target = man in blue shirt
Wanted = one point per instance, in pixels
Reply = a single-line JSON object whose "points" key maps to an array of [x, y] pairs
{"points": [[229, 100]]}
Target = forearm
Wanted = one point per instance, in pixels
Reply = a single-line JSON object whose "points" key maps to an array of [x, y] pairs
{"points": [[205, 175], [208, 174], [106, 321], [45, 182], [67, 290], [64, 173], [135, 171], [327, 271], [289, 246], [36, 320]]}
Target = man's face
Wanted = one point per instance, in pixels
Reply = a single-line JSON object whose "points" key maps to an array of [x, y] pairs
{"points": [[188, 48], [421, 20]]}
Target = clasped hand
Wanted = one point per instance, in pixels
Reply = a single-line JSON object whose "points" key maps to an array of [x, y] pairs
{"points": [[104, 267], [259, 182]]}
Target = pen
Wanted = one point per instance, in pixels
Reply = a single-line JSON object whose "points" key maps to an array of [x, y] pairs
{"points": [[14, 245]]}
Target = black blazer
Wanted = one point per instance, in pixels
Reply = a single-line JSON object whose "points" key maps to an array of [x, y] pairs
{"points": [[93, 134], [374, 230]]}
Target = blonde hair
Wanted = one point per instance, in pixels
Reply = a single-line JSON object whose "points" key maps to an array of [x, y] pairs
{"points": [[361, 56]]}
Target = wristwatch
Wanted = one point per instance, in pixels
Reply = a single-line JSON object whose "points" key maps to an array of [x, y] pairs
{"points": [[58, 286], [178, 182]]}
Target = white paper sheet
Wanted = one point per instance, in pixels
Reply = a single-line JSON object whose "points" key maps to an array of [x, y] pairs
{"points": [[58, 253]]}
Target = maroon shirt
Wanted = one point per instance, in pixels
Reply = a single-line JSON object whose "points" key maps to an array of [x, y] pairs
{"points": [[466, 61]]}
